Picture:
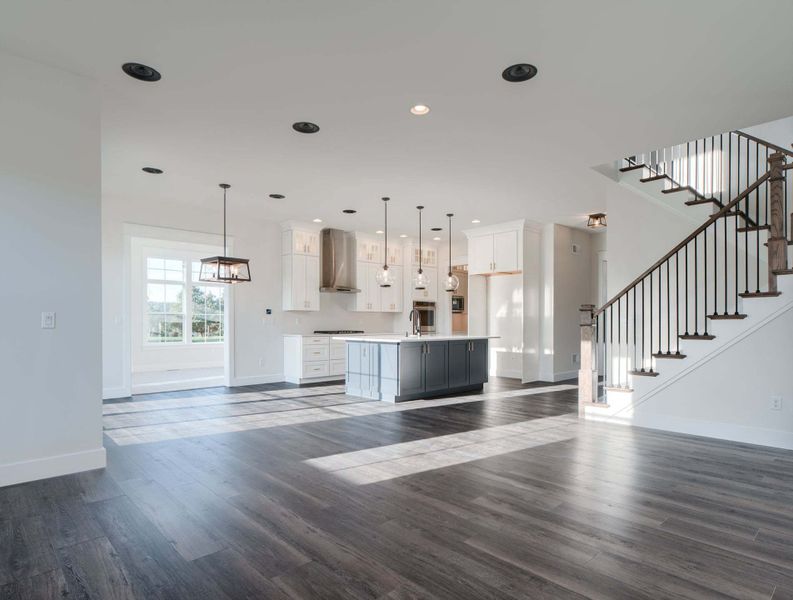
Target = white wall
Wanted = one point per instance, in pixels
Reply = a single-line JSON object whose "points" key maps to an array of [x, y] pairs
{"points": [[566, 285], [572, 288], [257, 344], [50, 243]]}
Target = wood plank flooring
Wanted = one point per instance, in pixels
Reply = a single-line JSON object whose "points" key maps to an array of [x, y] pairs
{"points": [[282, 492]]}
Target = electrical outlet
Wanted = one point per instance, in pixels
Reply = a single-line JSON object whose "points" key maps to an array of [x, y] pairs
{"points": [[776, 402], [576, 249], [268, 311], [48, 320], [575, 358]]}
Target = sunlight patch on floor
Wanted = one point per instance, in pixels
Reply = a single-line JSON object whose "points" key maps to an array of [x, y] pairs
{"points": [[382, 463]]}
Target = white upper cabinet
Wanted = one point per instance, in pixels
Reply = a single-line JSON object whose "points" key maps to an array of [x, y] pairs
{"points": [[372, 297], [495, 251], [300, 289], [391, 297], [369, 249], [505, 252], [394, 254], [300, 277], [296, 241], [430, 294], [429, 256]]}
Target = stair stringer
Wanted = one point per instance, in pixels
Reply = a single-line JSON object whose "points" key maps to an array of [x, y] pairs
{"points": [[685, 398]]}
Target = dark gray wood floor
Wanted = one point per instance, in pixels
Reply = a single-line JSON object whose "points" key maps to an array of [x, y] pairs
{"points": [[608, 512]]}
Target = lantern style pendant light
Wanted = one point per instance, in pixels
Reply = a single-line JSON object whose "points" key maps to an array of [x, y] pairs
{"points": [[596, 221], [452, 282], [385, 278], [420, 280], [224, 269]]}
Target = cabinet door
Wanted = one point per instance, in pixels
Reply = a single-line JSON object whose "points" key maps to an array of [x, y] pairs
{"points": [[361, 282], [411, 368], [477, 362], [312, 243], [394, 255], [374, 288], [299, 301], [505, 251], [436, 366], [391, 297], [312, 282], [480, 254], [458, 363]]}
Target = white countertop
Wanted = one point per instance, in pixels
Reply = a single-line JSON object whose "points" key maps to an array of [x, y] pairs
{"points": [[395, 338]]}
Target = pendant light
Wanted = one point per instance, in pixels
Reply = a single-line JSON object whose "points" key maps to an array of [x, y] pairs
{"points": [[596, 221], [224, 269], [420, 279], [452, 282], [385, 278]]}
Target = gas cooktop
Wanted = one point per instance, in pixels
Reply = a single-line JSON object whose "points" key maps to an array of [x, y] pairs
{"points": [[336, 331]]}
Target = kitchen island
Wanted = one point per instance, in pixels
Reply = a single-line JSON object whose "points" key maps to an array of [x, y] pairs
{"points": [[396, 368]]}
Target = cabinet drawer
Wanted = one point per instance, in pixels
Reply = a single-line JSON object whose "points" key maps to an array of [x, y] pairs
{"points": [[337, 367], [338, 350], [314, 353], [316, 340], [315, 369]]}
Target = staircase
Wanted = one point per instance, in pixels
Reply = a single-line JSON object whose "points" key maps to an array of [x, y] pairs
{"points": [[694, 299]]}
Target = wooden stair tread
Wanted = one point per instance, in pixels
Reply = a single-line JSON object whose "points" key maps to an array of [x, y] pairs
{"points": [[696, 336], [759, 294], [653, 178], [699, 201], [753, 228], [783, 272], [644, 373], [632, 168], [727, 317], [675, 355], [789, 243]]}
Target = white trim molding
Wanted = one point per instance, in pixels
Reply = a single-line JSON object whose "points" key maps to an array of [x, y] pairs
{"points": [[257, 380], [52, 466]]}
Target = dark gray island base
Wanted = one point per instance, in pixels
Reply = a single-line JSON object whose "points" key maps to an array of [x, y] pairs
{"points": [[395, 369]]}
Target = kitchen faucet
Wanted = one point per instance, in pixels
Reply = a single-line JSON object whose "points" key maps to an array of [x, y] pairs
{"points": [[415, 319]]}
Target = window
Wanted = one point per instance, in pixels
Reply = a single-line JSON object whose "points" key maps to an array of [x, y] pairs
{"points": [[172, 319]]}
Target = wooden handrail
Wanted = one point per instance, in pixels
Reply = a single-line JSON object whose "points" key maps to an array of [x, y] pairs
{"points": [[763, 142], [713, 218]]}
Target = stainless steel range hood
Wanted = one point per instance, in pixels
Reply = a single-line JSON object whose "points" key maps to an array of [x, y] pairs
{"points": [[337, 255]]}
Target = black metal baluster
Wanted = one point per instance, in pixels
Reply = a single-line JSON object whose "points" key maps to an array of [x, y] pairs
{"points": [[748, 213], [650, 321], [634, 327], [696, 288], [611, 340], [705, 280], [685, 260], [677, 302], [619, 342]]}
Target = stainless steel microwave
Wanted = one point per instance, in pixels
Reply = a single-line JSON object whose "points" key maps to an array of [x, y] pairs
{"points": [[458, 304], [427, 315]]}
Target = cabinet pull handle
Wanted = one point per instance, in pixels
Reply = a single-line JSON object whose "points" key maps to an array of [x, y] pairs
{"points": [[429, 350]]}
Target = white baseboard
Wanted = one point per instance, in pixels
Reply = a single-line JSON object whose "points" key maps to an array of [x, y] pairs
{"points": [[177, 386], [116, 392], [509, 374], [52, 466], [257, 379], [757, 436], [563, 375]]}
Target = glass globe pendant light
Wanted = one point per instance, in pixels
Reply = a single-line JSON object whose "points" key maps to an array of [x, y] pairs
{"points": [[224, 269], [452, 282], [420, 280], [385, 277]]}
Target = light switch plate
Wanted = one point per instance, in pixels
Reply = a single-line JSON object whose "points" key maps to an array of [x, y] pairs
{"points": [[48, 320], [776, 402]]}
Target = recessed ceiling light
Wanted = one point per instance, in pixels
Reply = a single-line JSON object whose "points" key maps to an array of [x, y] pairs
{"points": [[277, 196], [437, 238], [476, 221], [379, 232], [420, 109], [437, 229], [305, 127], [152, 170], [141, 72], [349, 211], [317, 220], [402, 235], [519, 72]]}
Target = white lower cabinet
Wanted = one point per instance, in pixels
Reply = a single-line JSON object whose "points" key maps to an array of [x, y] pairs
{"points": [[313, 358]]}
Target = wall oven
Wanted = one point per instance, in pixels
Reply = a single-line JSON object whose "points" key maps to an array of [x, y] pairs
{"points": [[458, 304], [426, 312]]}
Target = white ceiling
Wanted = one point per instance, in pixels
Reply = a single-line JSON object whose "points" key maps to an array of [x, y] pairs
{"points": [[614, 77]]}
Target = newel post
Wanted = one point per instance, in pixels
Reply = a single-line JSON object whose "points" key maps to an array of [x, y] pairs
{"points": [[777, 244], [587, 374]]}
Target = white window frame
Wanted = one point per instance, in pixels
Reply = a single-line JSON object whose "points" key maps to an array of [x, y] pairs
{"points": [[187, 258]]}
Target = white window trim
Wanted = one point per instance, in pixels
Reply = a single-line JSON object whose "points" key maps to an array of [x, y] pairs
{"points": [[187, 257]]}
